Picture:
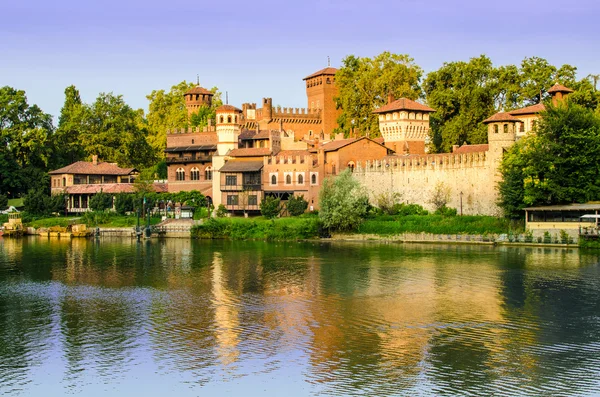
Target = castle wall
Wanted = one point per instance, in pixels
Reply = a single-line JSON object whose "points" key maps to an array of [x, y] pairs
{"points": [[415, 178]]}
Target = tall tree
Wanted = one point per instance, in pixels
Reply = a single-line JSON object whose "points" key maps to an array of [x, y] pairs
{"points": [[364, 85], [67, 142], [26, 133]]}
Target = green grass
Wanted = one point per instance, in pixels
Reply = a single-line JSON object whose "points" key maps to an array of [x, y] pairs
{"points": [[259, 228], [438, 224], [18, 202]]}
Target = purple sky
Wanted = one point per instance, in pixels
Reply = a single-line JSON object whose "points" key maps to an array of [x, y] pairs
{"points": [[256, 49]]}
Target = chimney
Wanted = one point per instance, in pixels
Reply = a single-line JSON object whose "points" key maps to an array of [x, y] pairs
{"points": [[95, 159], [390, 97]]}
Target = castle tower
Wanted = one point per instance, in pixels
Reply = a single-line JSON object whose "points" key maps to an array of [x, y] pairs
{"points": [[502, 130], [404, 125], [228, 128], [321, 91], [559, 93], [267, 110], [196, 98]]}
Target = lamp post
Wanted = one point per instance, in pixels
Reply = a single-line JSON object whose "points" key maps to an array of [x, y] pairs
{"points": [[461, 195]]}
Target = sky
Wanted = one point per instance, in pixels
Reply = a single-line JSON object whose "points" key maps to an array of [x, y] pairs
{"points": [[256, 49]]}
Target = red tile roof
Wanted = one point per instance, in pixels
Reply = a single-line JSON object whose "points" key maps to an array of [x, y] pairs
{"points": [[559, 88], [199, 90], [252, 134], [404, 104], [328, 70], [249, 152], [472, 149], [241, 166], [228, 108], [533, 109], [501, 116], [110, 188], [86, 167]]}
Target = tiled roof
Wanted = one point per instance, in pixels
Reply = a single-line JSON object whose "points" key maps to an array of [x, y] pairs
{"points": [[228, 108], [533, 109], [86, 167], [249, 152], [337, 144], [110, 188], [199, 90], [472, 149], [559, 88], [247, 135], [404, 104], [190, 148], [501, 116], [328, 70], [241, 166], [293, 153]]}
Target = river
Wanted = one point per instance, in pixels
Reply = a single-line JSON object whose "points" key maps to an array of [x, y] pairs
{"points": [[176, 317]]}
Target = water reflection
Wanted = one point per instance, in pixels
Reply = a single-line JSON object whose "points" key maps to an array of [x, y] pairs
{"points": [[304, 319]]}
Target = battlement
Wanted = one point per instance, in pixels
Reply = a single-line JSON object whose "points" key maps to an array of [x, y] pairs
{"points": [[296, 112], [424, 162], [283, 159], [191, 130]]}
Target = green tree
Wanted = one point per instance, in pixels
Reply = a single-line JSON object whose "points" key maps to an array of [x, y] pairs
{"points": [[124, 203], [559, 164], [364, 84], [270, 207], [67, 142], [343, 202], [26, 135], [35, 202], [3, 202], [101, 201], [296, 205]]}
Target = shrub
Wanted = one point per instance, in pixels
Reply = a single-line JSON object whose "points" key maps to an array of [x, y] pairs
{"points": [[344, 203], [446, 211], [388, 202], [3, 202], [440, 196], [409, 209], [270, 207], [101, 201], [221, 211], [297, 205], [36, 202], [123, 203]]}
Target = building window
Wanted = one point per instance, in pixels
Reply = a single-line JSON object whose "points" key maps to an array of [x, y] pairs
{"points": [[229, 119], [273, 179], [180, 174], [319, 104], [208, 173], [313, 178], [333, 169], [192, 141], [300, 179], [288, 179], [253, 199], [235, 119], [231, 180], [522, 127], [221, 119], [505, 128], [495, 128], [328, 81], [232, 200], [64, 182], [195, 174]]}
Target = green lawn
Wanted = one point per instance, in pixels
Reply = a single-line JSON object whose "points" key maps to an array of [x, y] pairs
{"points": [[18, 202]]}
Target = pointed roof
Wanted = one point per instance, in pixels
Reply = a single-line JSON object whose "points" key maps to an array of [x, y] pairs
{"points": [[559, 88], [501, 116], [227, 108], [533, 109], [199, 90], [404, 104], [328, 71]]}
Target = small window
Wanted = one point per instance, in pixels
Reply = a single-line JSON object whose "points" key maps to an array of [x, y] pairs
{"points": [[505, 128], [313, 179], [192, 141], [288, 179], [208, 173], [273, 179], [253, 199], [64, 182], [328, 81], [231, 180], [221, 119], [300, 179], [495, 128], [235, 119], [195, 174], [522, 127], [333, 169], [229, 119], [180, 174], [232, 200]]}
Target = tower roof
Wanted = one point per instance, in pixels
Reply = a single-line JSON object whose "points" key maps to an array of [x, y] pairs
{"points": [[327, 71], [199, 90], [559, 88], [404, 104], [501, 116], [228, 108], [533, 109]]}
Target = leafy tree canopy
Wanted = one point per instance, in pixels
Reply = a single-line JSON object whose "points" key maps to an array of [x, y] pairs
{"points": [[343, 202]]}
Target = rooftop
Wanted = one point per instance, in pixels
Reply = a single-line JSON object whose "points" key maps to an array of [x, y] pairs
{"points": [[249, 152], [228, 108], [533, 109], [328, 71], [199, 90], [404, 104], [501, 116], [559, 88], [89, 168], [241, 166]]}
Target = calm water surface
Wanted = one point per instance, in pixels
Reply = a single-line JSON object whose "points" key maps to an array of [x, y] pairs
{"points": [[185, 318]]}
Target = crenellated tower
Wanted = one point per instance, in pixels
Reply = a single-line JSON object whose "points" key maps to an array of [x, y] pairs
{"points": [[196, 98], [321, 91], [228, 128]]}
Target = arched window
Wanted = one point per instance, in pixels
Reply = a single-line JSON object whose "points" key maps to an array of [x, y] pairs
{"points": [[351, 166], [496, 128], [273, 179], [288, 179], [505, 128], [313, 179], [180, 174], [64, 182], [221, 119], [522, 127], [235, 119], [208, 173], [229, 119], [328, 81], [195, 174], [300, 179]]}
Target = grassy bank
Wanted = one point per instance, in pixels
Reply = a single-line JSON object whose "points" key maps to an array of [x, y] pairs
{"points": [[90, 219], [259, 228], [438, 224]]}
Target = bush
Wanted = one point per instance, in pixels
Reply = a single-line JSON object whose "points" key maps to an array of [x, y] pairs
{"points": [[3, 202], [221, 211], [101, 201], [344, 203], [124, 203], [408, 209], [388, 202], [36, 202], [296, 205], [446, 211], [270, 207]]}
